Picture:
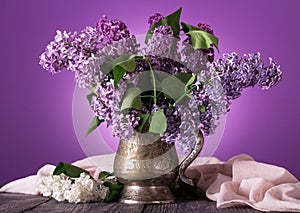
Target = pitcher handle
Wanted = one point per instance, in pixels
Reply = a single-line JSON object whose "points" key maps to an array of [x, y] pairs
{"points": [[189, 159]]}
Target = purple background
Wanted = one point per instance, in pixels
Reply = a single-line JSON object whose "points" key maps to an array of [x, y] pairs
{"points": [[36, 108]]}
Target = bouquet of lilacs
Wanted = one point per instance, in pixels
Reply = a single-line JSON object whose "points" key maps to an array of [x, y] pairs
{"points": [[169, 83]]}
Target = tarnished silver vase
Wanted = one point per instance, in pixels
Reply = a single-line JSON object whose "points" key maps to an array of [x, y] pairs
{"points": [[146, 166]]}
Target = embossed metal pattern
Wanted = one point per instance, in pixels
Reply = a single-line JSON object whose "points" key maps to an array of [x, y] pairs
{"points": [[136, 149], [147, 166], [135, 161]]}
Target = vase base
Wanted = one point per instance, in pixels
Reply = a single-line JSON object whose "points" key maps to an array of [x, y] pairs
{"points": [[146, 195]]}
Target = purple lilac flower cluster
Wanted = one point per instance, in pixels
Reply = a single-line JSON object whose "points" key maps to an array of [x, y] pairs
{"points": [[107, 106], [155, 18], [104, 101], [72, 50], [123, 124], [208, 95], [94, 70], [237, 73], [189, 127], [112, 30]]}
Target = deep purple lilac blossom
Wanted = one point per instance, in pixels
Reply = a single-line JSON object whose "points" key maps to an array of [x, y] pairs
{"points": [[155, 18]]}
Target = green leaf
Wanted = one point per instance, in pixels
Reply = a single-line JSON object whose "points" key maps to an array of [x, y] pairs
{"points": [[114, 191], [171, 20], [113, 194], [118, 72], [191, 80], [90, 97], [158, 122], [173, 87], [144, 119], [128, 65], [132, 99], [113, 186], [126, 61], [93, 89], [94, 124], [121, 65], [103, 175], [200, 38], [69, 170], [202, 108], [184, 77]]}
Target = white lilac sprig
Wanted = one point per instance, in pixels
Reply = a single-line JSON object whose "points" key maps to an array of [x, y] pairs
{"points": [[76, 185], [74, 190]]}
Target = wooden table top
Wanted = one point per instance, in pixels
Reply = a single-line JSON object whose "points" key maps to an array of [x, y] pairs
{"points": [[11, 202]]}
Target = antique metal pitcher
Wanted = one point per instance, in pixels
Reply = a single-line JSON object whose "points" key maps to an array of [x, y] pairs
{"points": [[147, 166]]}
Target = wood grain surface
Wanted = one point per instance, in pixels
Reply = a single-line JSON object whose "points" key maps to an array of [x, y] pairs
{"points": [[11, 202]]}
